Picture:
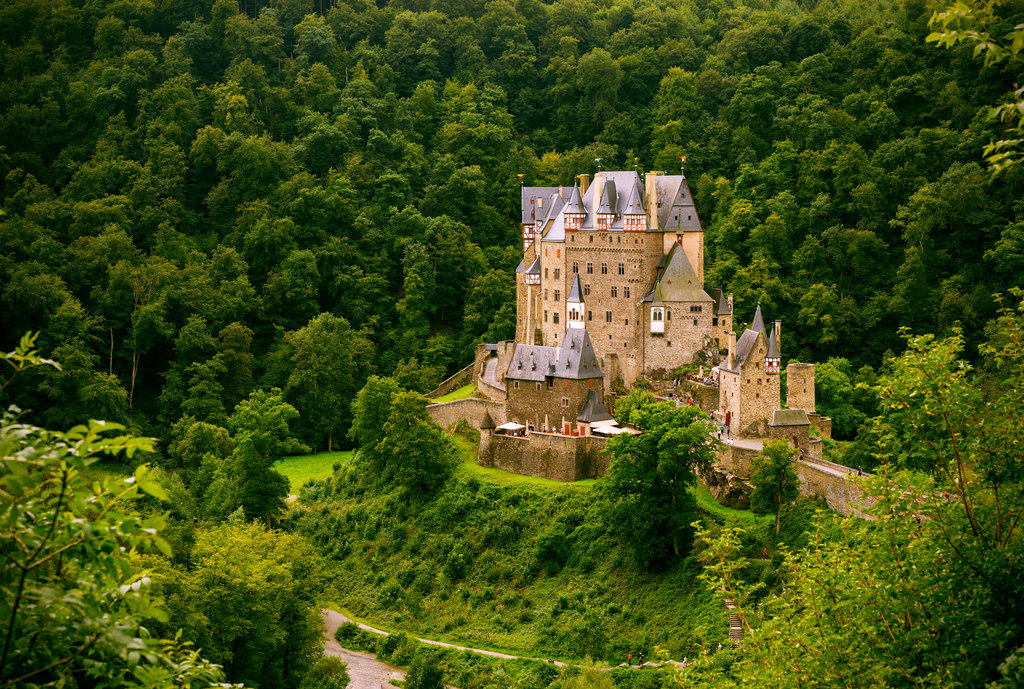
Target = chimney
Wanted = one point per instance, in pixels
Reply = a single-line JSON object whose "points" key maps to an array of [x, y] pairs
{"points": [[651, 192], [730, 303], [778, 335], [732, 349], [584, 183], [598, 190]]}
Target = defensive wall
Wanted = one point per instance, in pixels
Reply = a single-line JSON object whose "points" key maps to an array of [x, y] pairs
{"points": [[547, 455], [818, 477], [454, 382], [471, 409]]}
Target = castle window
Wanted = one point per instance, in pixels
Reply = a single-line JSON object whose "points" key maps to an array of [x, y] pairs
{"points": [[757, 396], [607, 316], [558, 273], [615, 291], [695, 322], [758, 381], [714, 321], [545, 315], [591, 382], [554, 317], [625, 291], [565, 383], [622, 269], [545, 295], [604, 269], [627, 321], [586, 290], [515, 385], [590, 266], [558, 253], [669, 343], [591, 239], [668, 314], [619, 240], [565, 401], [575, 266], [657, 314], [590, 317], [538, 387], [558, 295]]}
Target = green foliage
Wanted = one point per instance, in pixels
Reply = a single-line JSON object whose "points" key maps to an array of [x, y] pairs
{"points": [[425, 673], [326, 673], [248, 598], [68, 574], [774, 479], [649, 502]]}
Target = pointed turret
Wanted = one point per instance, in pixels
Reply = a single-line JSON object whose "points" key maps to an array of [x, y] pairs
{"points": [[574, 210], [772, 360], [758, 324], [633, 213], [574, 305], [606, 207]]}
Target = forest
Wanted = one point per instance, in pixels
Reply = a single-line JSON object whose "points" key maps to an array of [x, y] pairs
{"points": [[226, 219]]}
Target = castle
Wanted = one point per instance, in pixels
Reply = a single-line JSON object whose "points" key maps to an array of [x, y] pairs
{"points": [[611, 291]]}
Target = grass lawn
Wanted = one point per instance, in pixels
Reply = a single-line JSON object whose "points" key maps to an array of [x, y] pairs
{"points": [[301, 468], [459, 394], [727, 514]]}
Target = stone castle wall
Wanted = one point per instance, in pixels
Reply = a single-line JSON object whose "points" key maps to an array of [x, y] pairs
{"points": [[463, 377], [531, 402], [788, 433], [471, 409], [822, 423], [683, 337], [818, 478], [800, 387], [556, 457], [704, 396]]}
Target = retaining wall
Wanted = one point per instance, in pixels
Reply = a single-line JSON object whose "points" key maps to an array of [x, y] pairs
{"points": [[463, 377], [556, 457], [471, 409]]}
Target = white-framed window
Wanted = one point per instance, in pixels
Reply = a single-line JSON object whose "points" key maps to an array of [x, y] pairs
{"points": [[657, 314]]}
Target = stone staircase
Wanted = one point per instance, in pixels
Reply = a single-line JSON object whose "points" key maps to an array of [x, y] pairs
{"points": [[735, 626]]}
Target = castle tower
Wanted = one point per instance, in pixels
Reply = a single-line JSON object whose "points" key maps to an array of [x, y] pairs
{"points": [[574, 306], [749, 389], [800, 387], [574, 210], [773, 359]]}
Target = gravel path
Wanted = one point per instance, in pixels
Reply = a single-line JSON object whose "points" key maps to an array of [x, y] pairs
{"points": [[365, 671]]}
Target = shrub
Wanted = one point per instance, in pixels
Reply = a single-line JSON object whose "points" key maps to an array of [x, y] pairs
{"points": [[390, 594]]}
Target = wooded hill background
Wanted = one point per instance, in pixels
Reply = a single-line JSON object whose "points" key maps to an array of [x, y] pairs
{"points": [[203, 199]]}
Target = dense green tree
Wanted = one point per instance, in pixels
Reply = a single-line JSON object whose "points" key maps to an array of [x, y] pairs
{"points": [[649, 502], [330, 365], [774, 479]]}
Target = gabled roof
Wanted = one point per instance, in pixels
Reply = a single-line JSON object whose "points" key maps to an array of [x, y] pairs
{"points": [[608, 199], [574, 359], [575, 202], [722, 307], [521, 267], [744, 346], [678, 282], [634, 202], [773, 346], [758, 323], [789, 417], [534, 268], [593, 409], [528, 199], [575, 292], [675, 204]]}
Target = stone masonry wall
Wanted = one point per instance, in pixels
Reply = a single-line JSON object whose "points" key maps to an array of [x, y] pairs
{"points": [[760, 393], [528, 405], [471, 409], [463, 377], [800, 387], [818, 478], [555, 457], [787, 433]]}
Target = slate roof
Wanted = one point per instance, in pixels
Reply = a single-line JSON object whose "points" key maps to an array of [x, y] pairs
{"points": [[678, 282], [624, 191], [773, 346], [574, 359], [744, 346], [534, 268], [593, 409], [521, 267], [634, 202], [789, 417], [758, 323], [529, 196], [575, 292], [575, 202], [721, 300]]}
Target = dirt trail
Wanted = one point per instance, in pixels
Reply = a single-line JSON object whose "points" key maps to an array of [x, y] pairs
{"points": [[365, 671]]}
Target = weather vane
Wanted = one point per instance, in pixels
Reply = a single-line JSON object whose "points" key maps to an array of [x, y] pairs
{"points": [[682, 165], [598, 161], [520, 176]]}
